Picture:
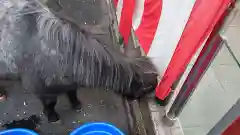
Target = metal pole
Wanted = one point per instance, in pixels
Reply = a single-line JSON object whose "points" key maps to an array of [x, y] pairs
{"points": [[227, 120], [204, 60]]}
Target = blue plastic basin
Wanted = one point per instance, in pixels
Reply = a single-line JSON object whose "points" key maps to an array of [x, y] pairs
{"points": [[97, 128], [18, 131]]}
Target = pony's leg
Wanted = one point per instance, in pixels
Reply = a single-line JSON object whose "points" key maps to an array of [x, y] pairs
{"points": [[49, 103], [75, 103], [6, 80], [3, 95], [45, 94]]}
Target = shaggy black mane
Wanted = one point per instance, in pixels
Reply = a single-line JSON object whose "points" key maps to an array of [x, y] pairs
{"points": [[34, 40]]}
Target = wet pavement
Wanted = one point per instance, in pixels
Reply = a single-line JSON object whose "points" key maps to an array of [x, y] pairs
{"points": [[98, 105]]}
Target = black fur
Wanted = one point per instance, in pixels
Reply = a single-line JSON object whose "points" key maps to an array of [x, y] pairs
{"points": [[57, 56]]}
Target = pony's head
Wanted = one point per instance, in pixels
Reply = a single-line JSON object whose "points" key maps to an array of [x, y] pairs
{"points": [[144, 79], [143, 85], [145, 76]]}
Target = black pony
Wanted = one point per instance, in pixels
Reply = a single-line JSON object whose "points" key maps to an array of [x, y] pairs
{"points": [[54, 55]]}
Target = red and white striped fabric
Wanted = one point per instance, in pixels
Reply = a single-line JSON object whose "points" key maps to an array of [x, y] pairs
{"points": [[169, 31]]}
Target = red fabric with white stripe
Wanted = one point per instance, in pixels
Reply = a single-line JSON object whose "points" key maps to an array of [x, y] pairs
{"points": [[203, 17], [234, 128], [125, 24], [149, 23]]}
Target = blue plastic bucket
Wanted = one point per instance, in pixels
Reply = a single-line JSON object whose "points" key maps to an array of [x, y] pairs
{"points": [[18, 131], [97, 128]]}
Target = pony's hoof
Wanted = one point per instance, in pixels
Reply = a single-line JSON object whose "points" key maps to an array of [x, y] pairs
{"points": [[78, 108], [56, 122], [3, 97], [54, 119]]}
